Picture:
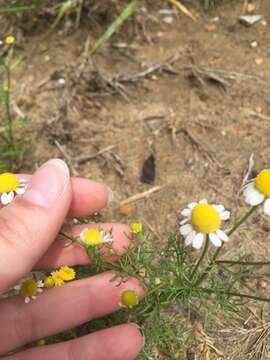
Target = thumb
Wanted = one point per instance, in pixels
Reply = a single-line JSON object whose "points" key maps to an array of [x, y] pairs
{"points": [[30, 223]]}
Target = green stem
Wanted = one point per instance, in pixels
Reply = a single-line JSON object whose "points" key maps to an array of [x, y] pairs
{"points": [[233, 229], [235, 294], [201, 258], [7, 105], [255, 263], [69, 237]]}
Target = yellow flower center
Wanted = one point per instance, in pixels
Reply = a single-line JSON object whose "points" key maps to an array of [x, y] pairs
{"points": [[10, 40], [205, 218], [8, 182], [67, 273], [57, 279], [129, 298], [29, 288], [92, 237], [136, 228], [262, 182], [48, 282]]}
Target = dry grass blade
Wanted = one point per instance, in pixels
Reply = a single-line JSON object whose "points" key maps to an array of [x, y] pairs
{"points": [[182, 8]]}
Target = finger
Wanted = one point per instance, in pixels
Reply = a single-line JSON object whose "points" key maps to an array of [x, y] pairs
{"points": [[88, 197], [60, 308], [61, 252], [122, 342], [29, 224]]}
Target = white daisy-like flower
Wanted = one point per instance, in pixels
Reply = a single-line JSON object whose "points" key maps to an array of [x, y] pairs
{"points": [[95, 237], [29, 288], [10, 186], [202, 219], [257, 191]]}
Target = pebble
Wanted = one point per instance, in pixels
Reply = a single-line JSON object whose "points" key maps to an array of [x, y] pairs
{"points": [[254, 44], [188, 162], [249, 20], [263, 284], [168, 20], [61, 81], [258, 61]]}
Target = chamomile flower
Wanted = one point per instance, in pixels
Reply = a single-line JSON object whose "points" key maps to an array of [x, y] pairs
{"points": [[67, 273], [136, 228], [57, 278], [95, 237], [29, 288], [10, 186], [129, 299], [10, 40], [202, 219], [48, 282], [257, 191]]}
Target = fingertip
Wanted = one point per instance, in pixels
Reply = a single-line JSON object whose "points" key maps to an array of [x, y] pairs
{"points": [[91, 197]]}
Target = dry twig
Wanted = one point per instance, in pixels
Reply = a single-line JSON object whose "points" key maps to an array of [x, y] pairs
{"points": [[142, 195]]}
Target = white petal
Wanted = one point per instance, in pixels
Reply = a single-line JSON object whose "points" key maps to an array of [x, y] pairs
{"points": [[27, 300], [219, 208], [20, 191], [185, 229], [184, 221], [203, 201], [215, 239], [186, 212], [250, 186], [198, 241], [221, 234], [17, 287], [266, 207], [7, 198], [192, 205], [23, 181], [254, 198], [225, 215], [33, 297], [190, 237]]}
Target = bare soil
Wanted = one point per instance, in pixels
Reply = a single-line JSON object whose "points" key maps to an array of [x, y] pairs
{"points": [[202, 114]]}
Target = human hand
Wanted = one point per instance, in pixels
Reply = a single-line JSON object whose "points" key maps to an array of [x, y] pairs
{"points": [[28, 232]]}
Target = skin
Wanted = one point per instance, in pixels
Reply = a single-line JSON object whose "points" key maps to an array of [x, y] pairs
{"points": [[29, 240]]}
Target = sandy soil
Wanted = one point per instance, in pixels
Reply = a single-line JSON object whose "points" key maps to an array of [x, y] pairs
{"points": [[202, 113]]}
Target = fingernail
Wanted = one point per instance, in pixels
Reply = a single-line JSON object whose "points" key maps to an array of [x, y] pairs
{"points": [[110, 195], [48, 184]]}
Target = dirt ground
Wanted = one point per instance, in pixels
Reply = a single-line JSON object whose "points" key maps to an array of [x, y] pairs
{"points": [[202, 113]]}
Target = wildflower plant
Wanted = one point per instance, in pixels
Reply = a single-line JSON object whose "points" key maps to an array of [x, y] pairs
{"points": [[11, 147], [170, 275], [185, 272]]}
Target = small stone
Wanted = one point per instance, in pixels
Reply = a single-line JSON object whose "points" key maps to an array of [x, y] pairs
{"points": [[188, 162], [223, 133], [249, 20], [47, 58], [254, 44], [210, 27], [168, 19], [154, 77], [126, 209], [263, 284], [251, 8], [264, 22], [160, 34], [259, 109], [215, 19], [258, 61], [61, 81]]}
